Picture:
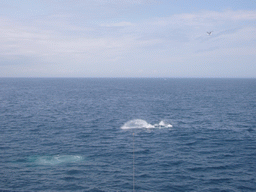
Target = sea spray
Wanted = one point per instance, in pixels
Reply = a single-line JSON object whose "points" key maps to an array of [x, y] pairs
{"points": [[140, 124]]}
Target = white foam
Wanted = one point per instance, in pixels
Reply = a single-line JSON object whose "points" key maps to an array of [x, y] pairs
{"points": [[164, 124], [140, 123], [56, 159], [136, 123]]}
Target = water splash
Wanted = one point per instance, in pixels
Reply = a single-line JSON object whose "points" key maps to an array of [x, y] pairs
{"points": [[55, 159], [164, 124], [140, 123]]}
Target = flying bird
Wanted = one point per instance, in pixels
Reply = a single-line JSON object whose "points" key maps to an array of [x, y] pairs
{"points": [[209, 33]]}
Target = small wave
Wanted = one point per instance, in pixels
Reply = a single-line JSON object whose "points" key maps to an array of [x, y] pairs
{"points": [[55, 159], [140, 123]]}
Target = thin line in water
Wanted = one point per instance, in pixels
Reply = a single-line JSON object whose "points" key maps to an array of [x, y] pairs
{"points": [[133, 167]]}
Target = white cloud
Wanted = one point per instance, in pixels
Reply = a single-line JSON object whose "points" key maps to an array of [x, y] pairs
{"points": [[148, 46], [206, 18], [117, 24], [125, 2]]}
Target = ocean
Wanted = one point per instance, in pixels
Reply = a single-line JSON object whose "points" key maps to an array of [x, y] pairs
{"points": [[127, 134]]}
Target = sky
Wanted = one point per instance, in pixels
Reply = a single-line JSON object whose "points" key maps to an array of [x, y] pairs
{"points": [[128, 38]]}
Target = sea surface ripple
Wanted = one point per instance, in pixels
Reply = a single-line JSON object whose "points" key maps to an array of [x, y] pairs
{"points": [[88, 134]]}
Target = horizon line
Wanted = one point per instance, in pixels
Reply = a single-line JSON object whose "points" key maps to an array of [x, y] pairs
{"points": [[129, 77]]}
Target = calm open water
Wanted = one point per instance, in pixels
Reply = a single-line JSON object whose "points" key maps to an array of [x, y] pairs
{"points": [[85, 134]]}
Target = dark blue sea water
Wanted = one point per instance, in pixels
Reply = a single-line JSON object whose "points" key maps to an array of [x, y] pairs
{"points": [[84, 134]]}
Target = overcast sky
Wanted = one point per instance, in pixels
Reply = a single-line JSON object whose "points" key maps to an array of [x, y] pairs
{"points": [[127, 38]]}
